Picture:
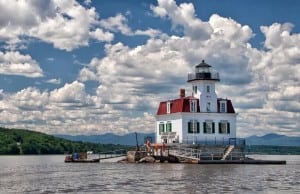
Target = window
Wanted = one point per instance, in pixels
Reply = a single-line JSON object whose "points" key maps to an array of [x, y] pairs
{"points": [[223, 107], [195, 89], [169, 127], [209, 127], [193, 105], [224, 127], [208, 107], [193, 126], [161, 128], [168, 107], [208, 88]]}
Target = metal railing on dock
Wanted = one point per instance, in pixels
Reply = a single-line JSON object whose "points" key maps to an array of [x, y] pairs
{"points": [[198, 154], [241, 142], [112, 154]]}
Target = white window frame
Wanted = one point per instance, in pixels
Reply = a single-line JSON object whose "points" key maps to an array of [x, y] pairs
{"points": [[168, 107], [208, 127], [225, 124], [208, 106], [168, 124], [208, 89], [224, 109], [163, 128], [224, 129], [195, 89], [193, 106], [194, 126]]}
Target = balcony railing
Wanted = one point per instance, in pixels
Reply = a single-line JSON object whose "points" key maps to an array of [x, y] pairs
{"points": [[231, 141], [203, 76]]}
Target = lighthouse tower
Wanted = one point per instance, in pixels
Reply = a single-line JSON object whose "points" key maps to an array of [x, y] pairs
{"points": [[202, 117], [203, 86]]}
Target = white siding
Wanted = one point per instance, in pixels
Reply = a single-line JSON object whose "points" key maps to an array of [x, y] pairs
{"points": [[180, 126], [205, 97], [214, 117], [176, 121]]}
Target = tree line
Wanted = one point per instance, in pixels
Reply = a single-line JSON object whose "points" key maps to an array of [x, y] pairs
{"points": [[20, 141]]}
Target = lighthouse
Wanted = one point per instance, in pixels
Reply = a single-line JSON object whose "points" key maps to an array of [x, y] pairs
{"points": [[199, 118], [203, 86]]}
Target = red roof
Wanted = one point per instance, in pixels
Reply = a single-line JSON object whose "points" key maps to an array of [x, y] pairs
{"points": [[183, 105]]}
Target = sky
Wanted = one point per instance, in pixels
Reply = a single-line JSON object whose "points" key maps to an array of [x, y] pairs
{"points": [[99, 66]]}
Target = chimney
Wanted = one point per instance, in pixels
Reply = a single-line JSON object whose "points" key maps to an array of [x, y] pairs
{"points": [[182, 93]]}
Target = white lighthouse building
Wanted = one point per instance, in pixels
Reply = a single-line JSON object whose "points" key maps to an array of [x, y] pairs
{"points": [[199, 118]]}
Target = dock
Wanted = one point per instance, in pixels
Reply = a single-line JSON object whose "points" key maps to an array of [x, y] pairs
{"points": [[250, 161], [195, 154], [112, 154]]}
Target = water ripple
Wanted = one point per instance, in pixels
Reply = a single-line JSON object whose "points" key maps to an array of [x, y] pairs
{"points": [[48, 174]]}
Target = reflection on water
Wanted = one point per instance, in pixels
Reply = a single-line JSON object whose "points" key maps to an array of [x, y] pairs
{"points": [[48, 174]]}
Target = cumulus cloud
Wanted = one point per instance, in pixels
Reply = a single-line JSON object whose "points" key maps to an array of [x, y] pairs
{"points": [[65, 24], [14, 63], [117, 23], [263, 84], [100, 35], [48, 111], [70, 93], [183, 15]]}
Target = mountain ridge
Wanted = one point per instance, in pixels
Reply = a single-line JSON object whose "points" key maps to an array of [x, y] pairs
{"points": [[110, 138], [129, 139]]}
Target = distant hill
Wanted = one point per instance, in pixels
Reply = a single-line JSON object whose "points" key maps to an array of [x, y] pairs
{"points": [[20, 141], [110, 138], [129, 139], [273, 139]]}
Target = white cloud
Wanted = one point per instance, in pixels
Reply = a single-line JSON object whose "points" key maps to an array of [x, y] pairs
{"points": [[183, 15], [14, 63], [230, 30], [277, 35], [117, 23], [87, 2], [70, 93], [53, 81], [86, 74], [65, 24], [100, 35]]}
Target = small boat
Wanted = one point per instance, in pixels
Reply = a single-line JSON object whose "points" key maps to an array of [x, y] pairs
{"points": [[80, 158]]}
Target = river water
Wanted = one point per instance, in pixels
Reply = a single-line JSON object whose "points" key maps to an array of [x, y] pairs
{"points": [[49, 174]]}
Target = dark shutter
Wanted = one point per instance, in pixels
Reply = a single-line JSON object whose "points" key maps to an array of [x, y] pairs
{"points": [[213, 127], [204, 127], [189, 127], [228, 127], [220, 130], [198, 127]]}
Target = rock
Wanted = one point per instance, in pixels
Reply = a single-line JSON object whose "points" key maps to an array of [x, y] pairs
{"points": [[147, 159], [135, 156], [131, 156]]}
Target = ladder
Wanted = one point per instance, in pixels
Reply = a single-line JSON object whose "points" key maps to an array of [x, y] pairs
{"points": [[227, 152]]}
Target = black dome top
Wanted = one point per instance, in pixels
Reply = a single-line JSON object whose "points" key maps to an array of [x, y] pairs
{"points": [[203, 64]]}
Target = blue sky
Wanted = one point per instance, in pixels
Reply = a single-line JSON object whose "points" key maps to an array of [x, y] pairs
{"points": [[91, 67]]}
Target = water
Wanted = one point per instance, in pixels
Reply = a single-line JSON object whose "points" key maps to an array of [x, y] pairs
{"points": [[49, 174]]}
